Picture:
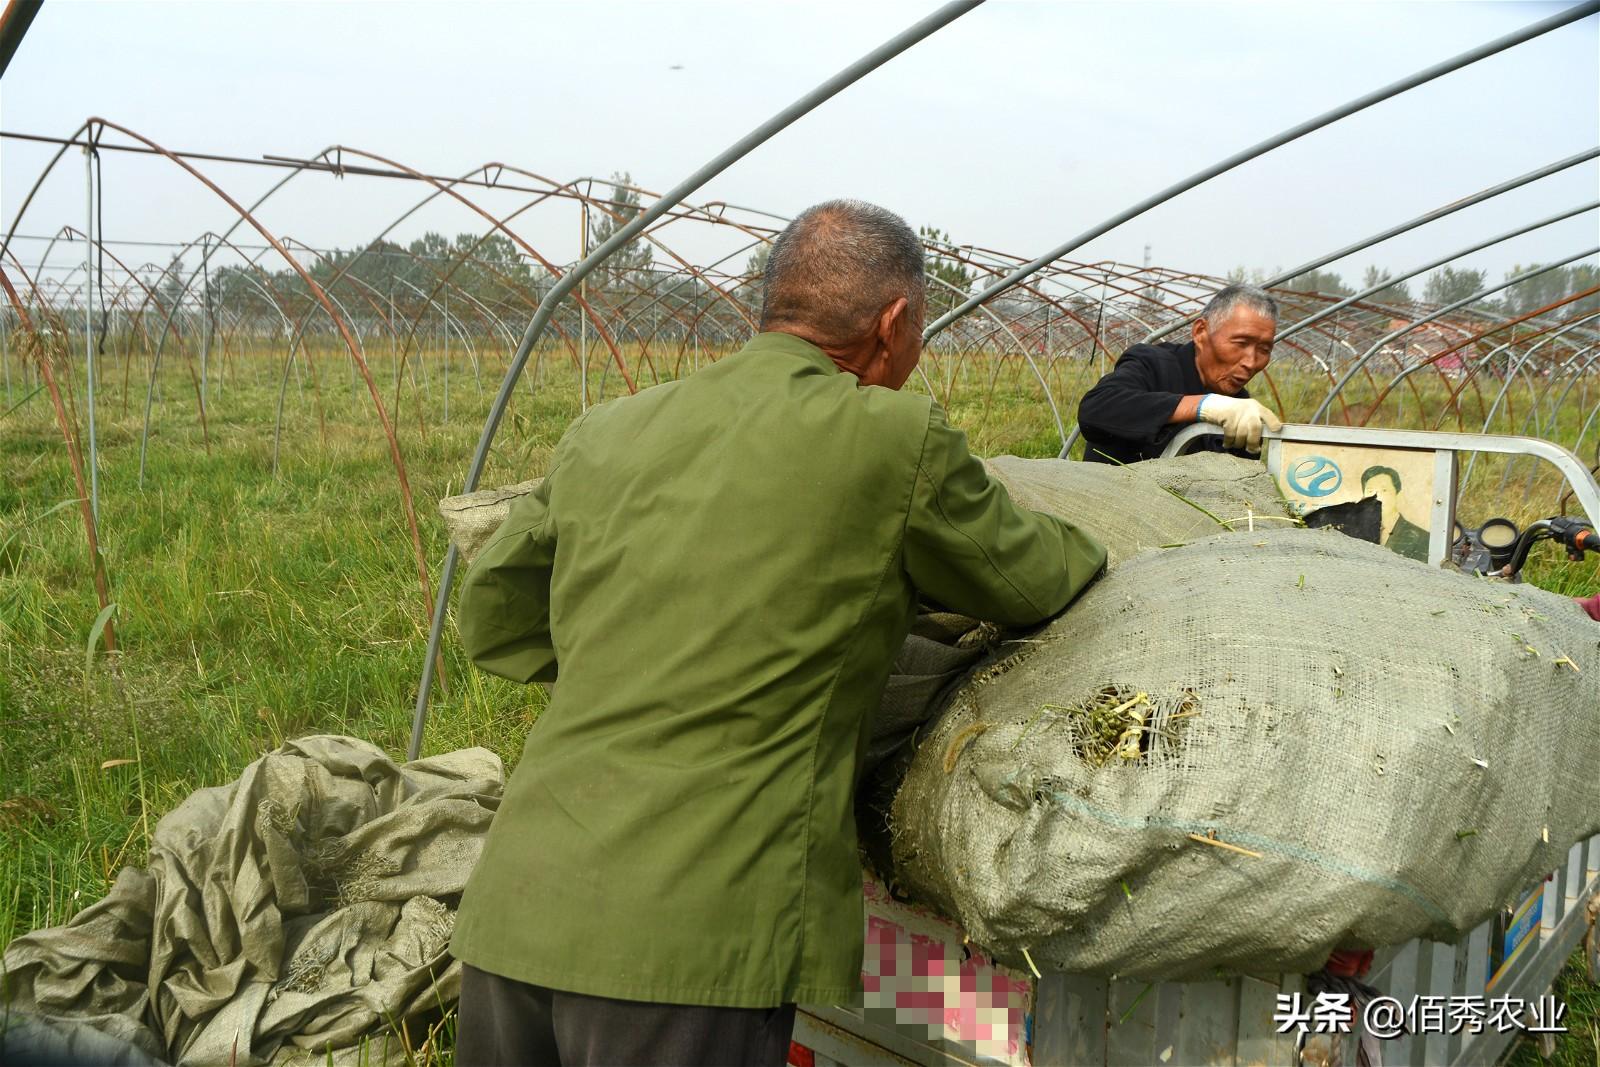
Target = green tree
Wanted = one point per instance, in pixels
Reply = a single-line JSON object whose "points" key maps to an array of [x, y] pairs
{"points": [[431, 246], [490, 268], [1326, 282], [1398, 293], [633, 260], [946, 268], [756, 265], [231, 288], [1448, 285], [1551, 286], [171, 288]]}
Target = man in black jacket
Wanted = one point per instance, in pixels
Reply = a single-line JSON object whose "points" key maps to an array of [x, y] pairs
{"points": [[1153, 391]]}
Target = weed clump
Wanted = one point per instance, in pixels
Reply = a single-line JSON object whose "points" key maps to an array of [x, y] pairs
{"points": [[1117, 724]]}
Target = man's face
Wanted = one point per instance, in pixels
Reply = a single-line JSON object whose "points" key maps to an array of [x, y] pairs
{"points": [[1236, 351], [1382, 487]]}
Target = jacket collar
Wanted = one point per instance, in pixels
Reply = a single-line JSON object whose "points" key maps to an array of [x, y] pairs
{"points": [[788, 345]]}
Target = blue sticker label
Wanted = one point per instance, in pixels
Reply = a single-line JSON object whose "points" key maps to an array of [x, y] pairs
{"points": [[1315, 476]]}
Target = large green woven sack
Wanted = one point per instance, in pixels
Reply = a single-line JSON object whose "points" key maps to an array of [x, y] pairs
{"points": [[1250, 750]]}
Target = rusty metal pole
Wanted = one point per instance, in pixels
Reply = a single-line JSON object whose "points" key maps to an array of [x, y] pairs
{"points": [[205, 320], [583, 320], [445, 326], [88, 325], [5, 352], [394, 351], [14, 23]]}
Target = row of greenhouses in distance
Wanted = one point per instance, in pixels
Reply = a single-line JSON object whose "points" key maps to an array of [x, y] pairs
{"points": [[1432, 345]]}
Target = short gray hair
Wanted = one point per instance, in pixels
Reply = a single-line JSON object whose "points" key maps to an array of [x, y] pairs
{"points": [[836, 266], [1239, 296]]}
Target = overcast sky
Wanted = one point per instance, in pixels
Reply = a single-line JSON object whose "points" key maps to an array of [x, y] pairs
{"points": [[1018, 126]]}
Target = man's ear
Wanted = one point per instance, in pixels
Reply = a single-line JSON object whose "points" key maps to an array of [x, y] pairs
{"points": [[1198, 330], [891, 320]]}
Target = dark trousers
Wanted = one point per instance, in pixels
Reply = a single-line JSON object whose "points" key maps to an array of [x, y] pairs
{"points": [[504, 1022]]}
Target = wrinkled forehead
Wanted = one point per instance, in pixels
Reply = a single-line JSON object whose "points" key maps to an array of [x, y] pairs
{"points": [[1247, 322]]}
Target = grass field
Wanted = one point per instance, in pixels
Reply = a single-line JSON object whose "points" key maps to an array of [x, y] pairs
{"points": [[254, 606]]}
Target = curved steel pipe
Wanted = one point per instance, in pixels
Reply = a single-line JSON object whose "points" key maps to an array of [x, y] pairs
{"points": [[1499, 44], [1348, 301], [1366, 356], [1533, 398], [569, 281], [1470, 377], [1340, 305], [1395, 231]]}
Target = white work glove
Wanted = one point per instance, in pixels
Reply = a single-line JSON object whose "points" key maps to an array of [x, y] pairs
{"points": [[1241, 419]]}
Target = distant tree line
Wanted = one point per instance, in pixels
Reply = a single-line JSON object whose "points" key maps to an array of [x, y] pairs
{"points": [[384, 274], [494, 275], [1448, 285], [489, 272]]}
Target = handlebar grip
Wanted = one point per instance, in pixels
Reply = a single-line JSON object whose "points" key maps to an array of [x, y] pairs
{"points": [[1586, 541]]}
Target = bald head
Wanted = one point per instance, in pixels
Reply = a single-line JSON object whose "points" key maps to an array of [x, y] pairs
{"points": [[836, 267]]}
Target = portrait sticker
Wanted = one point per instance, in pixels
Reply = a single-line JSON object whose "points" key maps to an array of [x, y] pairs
{"points": [[1316, 476]]}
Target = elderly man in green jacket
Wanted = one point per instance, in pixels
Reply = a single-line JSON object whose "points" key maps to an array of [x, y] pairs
{"points": [[716, 574]]}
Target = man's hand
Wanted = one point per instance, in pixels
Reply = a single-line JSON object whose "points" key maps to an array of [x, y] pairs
{"points": [[1592, 606], [1241, 419]]}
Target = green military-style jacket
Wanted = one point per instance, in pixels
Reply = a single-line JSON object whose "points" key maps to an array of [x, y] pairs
{"points": [[716, 575]]}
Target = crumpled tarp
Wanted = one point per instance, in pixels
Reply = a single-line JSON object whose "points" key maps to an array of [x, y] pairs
{"points": [[296, 910]]}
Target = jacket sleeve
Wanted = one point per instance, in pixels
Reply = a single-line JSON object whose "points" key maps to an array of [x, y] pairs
{"points": [[1127, 402], [968, 546], [503, 613]]}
